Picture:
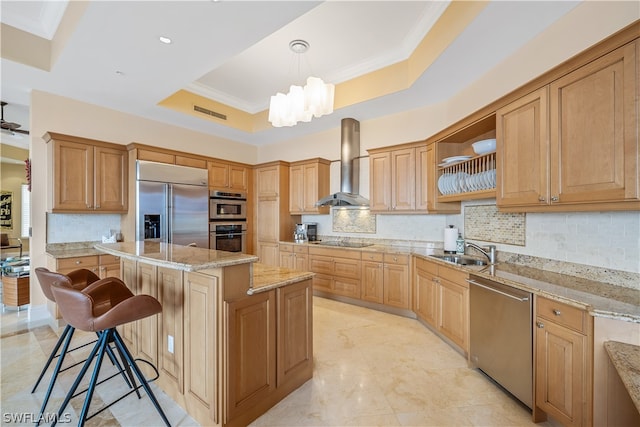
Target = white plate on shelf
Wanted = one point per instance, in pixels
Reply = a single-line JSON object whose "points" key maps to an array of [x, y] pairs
{"points": [[455, 159]]}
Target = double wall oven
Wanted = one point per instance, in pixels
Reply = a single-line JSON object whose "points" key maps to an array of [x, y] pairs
{"points": [[228, 221]]}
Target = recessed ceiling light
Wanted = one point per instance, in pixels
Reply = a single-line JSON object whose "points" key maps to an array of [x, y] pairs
{"points": [[165, 40]]}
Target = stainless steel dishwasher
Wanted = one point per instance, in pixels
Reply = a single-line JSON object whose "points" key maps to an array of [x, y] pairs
{"points": [[501, 336]]}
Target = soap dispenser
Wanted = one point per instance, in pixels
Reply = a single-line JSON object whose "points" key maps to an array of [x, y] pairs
{"points": [[460, 245]]}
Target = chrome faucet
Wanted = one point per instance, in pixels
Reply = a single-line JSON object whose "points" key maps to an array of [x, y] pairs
{"points": [[489, 252]]}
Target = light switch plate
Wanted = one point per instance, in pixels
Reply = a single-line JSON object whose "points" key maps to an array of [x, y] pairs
{"points": [[170, 344]]}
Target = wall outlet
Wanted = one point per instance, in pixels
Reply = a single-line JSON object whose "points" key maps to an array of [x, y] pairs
{"points": [[170, 344]]}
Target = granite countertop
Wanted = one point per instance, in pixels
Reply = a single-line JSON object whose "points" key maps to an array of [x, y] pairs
{"points": [[626, 359], [73, 252], [598, 298], [266, 277], [179, 257]]}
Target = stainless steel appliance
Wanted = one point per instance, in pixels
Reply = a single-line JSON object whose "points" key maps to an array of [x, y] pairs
{"points": [[171, 204], [312, 231], [300, 233], [228, 236], [224, 205], [501, 337]]}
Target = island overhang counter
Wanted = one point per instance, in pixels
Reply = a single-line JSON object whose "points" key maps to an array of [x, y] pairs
{"points": [[234, 336]]}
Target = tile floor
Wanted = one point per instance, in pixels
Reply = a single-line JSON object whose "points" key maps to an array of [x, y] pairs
{"points": [[371, 369]]}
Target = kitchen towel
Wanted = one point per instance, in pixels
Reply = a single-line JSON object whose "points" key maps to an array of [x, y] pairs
{"points": [[450, 237]]}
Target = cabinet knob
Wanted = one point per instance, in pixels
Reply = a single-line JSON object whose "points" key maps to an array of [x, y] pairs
{"points": [[395, 258], [540, 325], [554, 198], [542, 199], [78, 262], [97, 206], [556, 312]]}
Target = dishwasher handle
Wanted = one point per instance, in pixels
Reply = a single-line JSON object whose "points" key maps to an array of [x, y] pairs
{"points": [[489, 288]]}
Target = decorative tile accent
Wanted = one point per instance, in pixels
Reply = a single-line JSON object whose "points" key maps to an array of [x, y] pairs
{"points": [[487, 224], [353, 221]]}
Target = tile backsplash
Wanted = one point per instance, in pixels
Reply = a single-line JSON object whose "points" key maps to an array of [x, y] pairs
{"points": [[64, 228], [486, 223], [353, 221]]}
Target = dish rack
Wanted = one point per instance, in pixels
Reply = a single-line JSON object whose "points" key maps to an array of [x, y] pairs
{"points": [[472, 178]]}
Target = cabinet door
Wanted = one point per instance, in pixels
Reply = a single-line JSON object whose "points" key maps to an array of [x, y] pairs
{"points": [[396, 285], [296, 189], [218, 174], [372, 282], [301, 262], [201, 344], [522, 134], [286, 260], [72, 176], [295, 332], [268, 253], [129, 331], [561, 372], [268, 220], [268, 181], [426, 297], [312, 187], [346, 287], [111, 181], [594, 142], [251, 351], [238, 178], [403, 179], [380, 181], [423, 187], [454, 312], [148, 327], [170, 331]]}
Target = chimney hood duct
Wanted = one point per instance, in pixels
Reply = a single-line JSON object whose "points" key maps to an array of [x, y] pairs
{"points": [[349, 168]]}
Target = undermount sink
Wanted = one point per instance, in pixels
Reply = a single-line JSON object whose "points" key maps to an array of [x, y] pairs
{"points": [[343, 244], [460, 259]]}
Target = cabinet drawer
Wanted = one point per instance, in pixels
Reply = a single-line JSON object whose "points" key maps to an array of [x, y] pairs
{"points": [[77, 262], [373, 256], [427, 266], [396, 259], [453, 275], [562, 314], [321, 264], [346, 287], [322, 283], [285, 247], [333, 252], [347, 268], [300, 249], [109, 259]]}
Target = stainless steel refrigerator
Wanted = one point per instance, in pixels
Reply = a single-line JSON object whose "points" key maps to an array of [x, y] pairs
{"points": [[172, 204]]}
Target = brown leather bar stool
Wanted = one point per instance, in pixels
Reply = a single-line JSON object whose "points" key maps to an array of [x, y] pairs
{"points": [[77, 279], [100, 308]]}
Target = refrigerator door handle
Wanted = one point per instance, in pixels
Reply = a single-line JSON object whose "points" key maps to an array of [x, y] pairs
{"points": [[169, 215]]}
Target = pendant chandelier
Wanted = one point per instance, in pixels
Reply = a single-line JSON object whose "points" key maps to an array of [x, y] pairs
{"points": [[315, 99]]}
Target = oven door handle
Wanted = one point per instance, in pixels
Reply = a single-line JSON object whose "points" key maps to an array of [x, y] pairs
{"points": [[489, 288]]}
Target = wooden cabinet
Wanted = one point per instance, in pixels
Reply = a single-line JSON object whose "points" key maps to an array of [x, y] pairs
{"points": [[337, 271], [392, 180], [229, 176], [308, 182], [385, 279], [171, 330], [442, 300], [154, 154], [129, 331], [88, 175], [147, 328], [293, 256], [108, 266], [586, 117], [563, 362], [272, 219], [251, 351], [295, 333]]}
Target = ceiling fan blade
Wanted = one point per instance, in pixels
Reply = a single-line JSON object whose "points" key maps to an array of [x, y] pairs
{"points": [[22, 131]]}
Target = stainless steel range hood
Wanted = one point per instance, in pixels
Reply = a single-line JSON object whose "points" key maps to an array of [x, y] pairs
{"points": [[349, 168]]}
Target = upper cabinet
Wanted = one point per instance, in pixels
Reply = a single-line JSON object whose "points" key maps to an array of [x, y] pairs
{"points": [[154, 154], [226, 175], [402, 180], [88, 175], [308, 182], [573, 145]]}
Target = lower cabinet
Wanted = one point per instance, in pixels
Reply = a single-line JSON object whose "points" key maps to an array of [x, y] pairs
{"points": [[441, 299], [563, 362], [337, 271], [295, 257], [385, 279]]}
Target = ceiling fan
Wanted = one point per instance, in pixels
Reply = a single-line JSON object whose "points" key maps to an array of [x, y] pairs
{"points": [[10, 126]]}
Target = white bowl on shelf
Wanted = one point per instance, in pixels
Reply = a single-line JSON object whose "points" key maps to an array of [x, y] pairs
{"points": [[485, 146]]}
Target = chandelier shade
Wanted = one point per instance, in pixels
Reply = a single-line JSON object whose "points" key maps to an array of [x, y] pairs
{"points": [[300, 104]]}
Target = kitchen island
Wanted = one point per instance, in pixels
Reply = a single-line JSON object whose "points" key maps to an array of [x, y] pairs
{"points": [[234, 336]]}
